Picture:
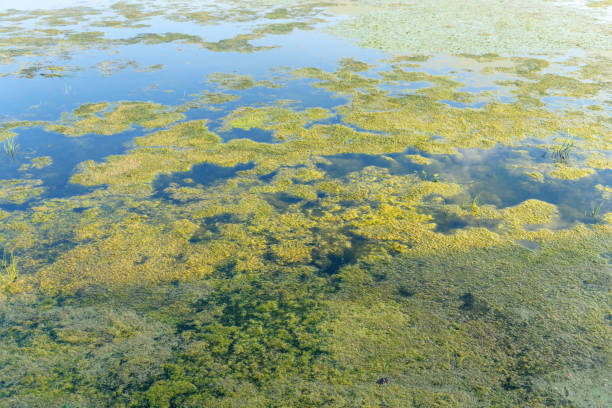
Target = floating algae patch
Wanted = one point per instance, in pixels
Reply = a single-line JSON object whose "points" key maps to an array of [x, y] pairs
{"points": [[283, 121], [454, 335], [562, 171], [283, 28], [267, 286], [217, 98], [386, 249], [120, 118], [37, 163], [91, 108], [237, 82], [6, 134], [449, 27], [530, 212], [166, 151], [18, 191], [418, 159]]}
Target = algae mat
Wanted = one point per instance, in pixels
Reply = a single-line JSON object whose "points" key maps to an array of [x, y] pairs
{"points": [[299, 204]]}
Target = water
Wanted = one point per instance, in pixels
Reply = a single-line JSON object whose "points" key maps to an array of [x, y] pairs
{"points": [[267, 215]]}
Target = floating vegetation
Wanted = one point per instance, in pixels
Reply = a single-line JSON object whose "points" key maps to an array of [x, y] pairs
{"points": [[562, 171], [237, 82], [544, 27], [37, 163], [18, 191], [217, 98], [374, 230], [119, 119]]}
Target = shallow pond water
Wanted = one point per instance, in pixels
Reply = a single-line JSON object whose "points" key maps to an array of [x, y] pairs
{"points": [[276, 204]]}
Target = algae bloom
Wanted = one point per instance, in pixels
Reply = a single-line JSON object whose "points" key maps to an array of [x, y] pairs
{"points": [[279, 203]]}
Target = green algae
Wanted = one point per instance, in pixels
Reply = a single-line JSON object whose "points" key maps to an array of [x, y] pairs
{"points": [[37, 163], [283, 28], [71, 39], [167, 151], [237, 82], [599, 3], [303, 289], [284, 122], [6, 134], [331, 341], [564, 172], [553, 84], [543, 28], [89, 108], [418, 159], [217, 98], [238, 239], [18, 191], [119, 119], [412, 120], [530, 212]]}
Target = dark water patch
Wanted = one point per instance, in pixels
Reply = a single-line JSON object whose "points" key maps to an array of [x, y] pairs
{"points": [[341, 165], [530, 245], [330, 259], [473, 305], [210, 227], [255, 134], [282, 200], [267, 178], [203, 174], [446, 223]]}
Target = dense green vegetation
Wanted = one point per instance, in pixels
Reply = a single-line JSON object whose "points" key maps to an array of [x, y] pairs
{"points": [[431, 228]]}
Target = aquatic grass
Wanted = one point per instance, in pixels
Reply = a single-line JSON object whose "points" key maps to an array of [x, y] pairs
{"points": [[594, 214], [561, 153], [8, 268], [10, 148], [474, 206]]}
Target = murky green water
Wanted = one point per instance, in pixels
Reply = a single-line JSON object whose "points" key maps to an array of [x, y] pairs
{"points": [[298, 204]]}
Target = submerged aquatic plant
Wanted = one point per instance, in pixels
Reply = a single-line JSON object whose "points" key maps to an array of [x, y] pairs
{"points": [[594, 214], [8, 269], [561, 153], [11, 148]]}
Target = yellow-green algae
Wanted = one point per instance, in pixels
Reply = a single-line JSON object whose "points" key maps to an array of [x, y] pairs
{"points": [[418, 159], [391, 123], [413, 27], [217, 98], [166, 151], [237, 82], [283, 121], [408, 303], [64, 37], [119, 119], [37, 163], [303, 289], [18, 191], [562, 171]]}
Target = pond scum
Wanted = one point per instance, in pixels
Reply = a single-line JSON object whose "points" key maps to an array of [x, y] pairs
{"points": [[286, 284]]}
